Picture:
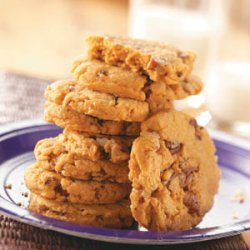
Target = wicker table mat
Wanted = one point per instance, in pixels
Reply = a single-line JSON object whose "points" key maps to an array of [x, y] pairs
{"points": [[21, 98]]}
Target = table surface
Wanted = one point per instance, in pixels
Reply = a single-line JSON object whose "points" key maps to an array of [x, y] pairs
{"points": [[26, 102]]}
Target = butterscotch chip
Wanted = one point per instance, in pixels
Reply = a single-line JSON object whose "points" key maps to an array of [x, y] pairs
{"points": [[52, 155], [67, 118], [173, 172], [116, 215], [161, 62], [53, 186]]}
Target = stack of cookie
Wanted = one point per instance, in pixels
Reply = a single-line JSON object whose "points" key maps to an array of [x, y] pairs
{"points": [[120, 126]]}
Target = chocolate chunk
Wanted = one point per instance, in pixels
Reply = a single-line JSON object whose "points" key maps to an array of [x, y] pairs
{"points": [[100, 121], [49, 180], [61, 191], [104, 154], [191, 201], [99, 217], [193, 123], [116, 100], [148, 92], [141, 199], [179, 74]]}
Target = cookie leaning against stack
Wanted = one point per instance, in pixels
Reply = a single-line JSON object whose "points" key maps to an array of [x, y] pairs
{"points": [[120, 126]]}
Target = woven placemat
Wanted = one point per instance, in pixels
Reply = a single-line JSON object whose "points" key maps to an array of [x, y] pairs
{"points": [[21, 98]]}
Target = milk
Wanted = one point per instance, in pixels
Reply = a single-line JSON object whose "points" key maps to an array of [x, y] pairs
{"points": [[187, 29], [228, 92]]}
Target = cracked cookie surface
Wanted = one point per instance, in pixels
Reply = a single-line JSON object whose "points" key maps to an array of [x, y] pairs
{"points": [[71, 95], [52, 155], [53, 186], [116, 215], [98, 76], [106, 106], [162, 62], [173, 171], [67, 118]]}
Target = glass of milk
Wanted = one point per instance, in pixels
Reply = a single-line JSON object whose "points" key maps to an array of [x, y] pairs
{"points": [[227, 87], [193, 25], [228, 95]]}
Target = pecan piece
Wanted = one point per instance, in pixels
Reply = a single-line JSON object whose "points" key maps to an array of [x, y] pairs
{"points": [[191, 201], [197, 128], [174, 147]]}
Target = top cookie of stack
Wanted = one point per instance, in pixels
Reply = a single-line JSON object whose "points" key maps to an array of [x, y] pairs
{"points": [[119, 84]]}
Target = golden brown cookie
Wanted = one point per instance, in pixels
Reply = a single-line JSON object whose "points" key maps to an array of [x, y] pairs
{"points": [[67, 118], [53, 186], [160, 96], [162, 62], [106, 106], [91, 147], [173, 172], [98, 76], [97, 104], [116, 215], [53, 156], [97, 147]]}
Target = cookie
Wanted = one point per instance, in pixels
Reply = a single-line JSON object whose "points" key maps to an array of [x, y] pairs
{"points": [[116, 215], [106, 106], [68, 118], [161, 62], [96, 147], [53, 156], [53, 186], [97, 104], [98, 76], [91, 147], [174, 185]]}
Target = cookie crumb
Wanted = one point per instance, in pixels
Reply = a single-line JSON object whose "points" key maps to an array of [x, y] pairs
{"points": [[19, 204], [8, 186], [25, 194], [239, 197]]}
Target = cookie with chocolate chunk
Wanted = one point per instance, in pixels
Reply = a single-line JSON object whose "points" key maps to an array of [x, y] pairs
{"points": [[96, 104], [160, 61], [173, 171], [67, 118], [52, 155], [116, 215], [53, 186], [99, 76], [106, 106]]}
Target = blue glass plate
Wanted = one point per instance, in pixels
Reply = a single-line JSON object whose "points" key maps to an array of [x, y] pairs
{"points": [[227, 217]]}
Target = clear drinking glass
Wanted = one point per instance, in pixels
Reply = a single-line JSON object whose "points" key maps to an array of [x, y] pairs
{"points": [[228, 86], [195, 25]]}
